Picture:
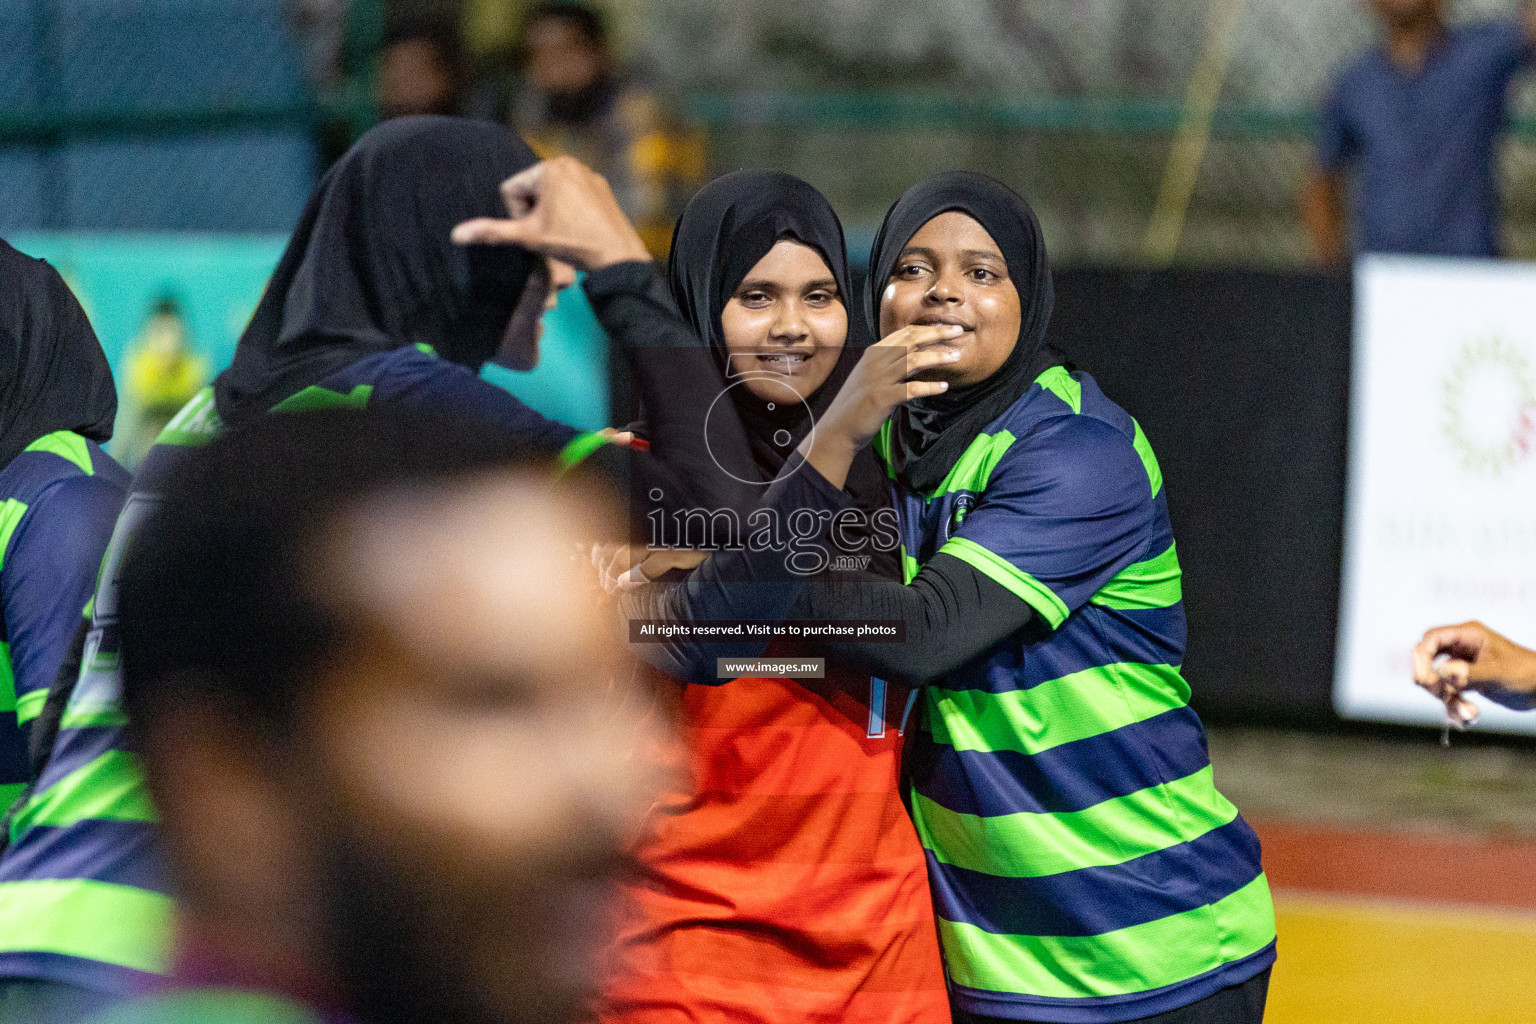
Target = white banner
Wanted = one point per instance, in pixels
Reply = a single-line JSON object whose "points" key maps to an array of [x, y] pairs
{"points": [[1440, 523]]}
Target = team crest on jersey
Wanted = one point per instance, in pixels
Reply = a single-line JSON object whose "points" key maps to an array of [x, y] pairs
{"points": [[962, 508]]}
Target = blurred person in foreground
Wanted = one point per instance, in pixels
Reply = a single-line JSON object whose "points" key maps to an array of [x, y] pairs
{"points": [[1416, 123], [1452, 660], [573, 100], [391, 753], [372, 305], [59, 496]]}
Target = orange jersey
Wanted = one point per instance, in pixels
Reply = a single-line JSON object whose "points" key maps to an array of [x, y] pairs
{"points": [[788, 884]]}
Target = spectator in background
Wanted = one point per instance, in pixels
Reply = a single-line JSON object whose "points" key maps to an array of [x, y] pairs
{"points": [[388, 798], [1416, 122], [573, 101], [164, 371], [421, 68]]}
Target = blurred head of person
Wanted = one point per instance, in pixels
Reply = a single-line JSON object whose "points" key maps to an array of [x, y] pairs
{"points": [[421, 68], [371, 266], [385, 726], [1409, 14], [567, 55]]}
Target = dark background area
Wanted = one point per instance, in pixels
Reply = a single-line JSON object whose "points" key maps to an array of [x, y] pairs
{"points": [[1241, 381]]}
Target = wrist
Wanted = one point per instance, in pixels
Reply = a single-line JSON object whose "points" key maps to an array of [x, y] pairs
{"points": [[622, 250]]}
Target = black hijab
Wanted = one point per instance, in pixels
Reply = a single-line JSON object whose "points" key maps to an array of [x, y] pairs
{"points": [[55, 374], [932, 433], [729, 226], [725, 230], [371, 268]]}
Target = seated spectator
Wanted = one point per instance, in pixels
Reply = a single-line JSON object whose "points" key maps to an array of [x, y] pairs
{"points": [[573, 101], [421, 68], [389, 747], [1416, 122]]}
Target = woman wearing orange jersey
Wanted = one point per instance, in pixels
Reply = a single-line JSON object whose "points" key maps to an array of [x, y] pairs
{"points": [[784, 882]]}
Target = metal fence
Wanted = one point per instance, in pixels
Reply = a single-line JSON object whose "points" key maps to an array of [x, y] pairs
{"points": [[201, 115], [1093, 169]]}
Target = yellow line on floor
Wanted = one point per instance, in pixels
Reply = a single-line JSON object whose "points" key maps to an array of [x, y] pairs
{"points": [[1358, 961]]}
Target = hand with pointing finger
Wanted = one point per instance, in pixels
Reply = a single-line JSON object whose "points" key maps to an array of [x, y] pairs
{"points": [[561, 209]]}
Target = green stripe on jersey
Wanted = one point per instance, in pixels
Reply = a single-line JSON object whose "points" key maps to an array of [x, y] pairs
{"points": [[973, 471], [1135, 959], [11, 512], [114, 924], [1144, 449], [11, 792], [909, 567], [30, 705], [8, 701], [1155, 583], [1030, 845], [1064, 386], [67, 445], [197, 423], [1074, 707], [1036, 594], [111, 787], [882, 446], [209, 1006], [315, 398], [578, 451]]}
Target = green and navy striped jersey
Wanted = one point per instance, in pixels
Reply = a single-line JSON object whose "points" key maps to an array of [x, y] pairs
{"points": [[84, 898], [61, 497], [58, 501], [1084, 866]]}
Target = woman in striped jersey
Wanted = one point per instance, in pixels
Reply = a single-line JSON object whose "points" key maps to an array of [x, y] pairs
{"points": [[782, 882], [59, 496], [1084, 867]]}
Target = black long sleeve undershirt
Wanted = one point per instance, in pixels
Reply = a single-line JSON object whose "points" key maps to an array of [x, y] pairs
{"points": [[953, 614], [677, 382]]}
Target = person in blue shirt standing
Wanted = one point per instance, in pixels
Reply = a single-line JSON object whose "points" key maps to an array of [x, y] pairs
{"points": [[1416, 123], [59, 496]]}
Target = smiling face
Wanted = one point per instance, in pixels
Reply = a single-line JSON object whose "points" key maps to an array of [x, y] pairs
{"points": [[952, 272], [786, 324]]}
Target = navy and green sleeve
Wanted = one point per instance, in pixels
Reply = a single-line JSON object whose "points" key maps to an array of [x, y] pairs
{"points": [[48, 576], [1065, 510]]}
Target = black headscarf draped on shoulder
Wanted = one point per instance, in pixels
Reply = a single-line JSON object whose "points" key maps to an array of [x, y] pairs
{"points": [[55, 375], [729, 226], [371, 268], [932, 433]]}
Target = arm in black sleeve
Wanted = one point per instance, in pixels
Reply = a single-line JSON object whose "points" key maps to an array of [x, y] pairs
{"points": [[735, 585], [953, 613], [677, 382]]}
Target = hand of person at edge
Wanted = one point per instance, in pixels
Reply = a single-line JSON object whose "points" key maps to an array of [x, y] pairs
{"points": [[621, 567], [1451, 660], [561, 209], [880, 381]]}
